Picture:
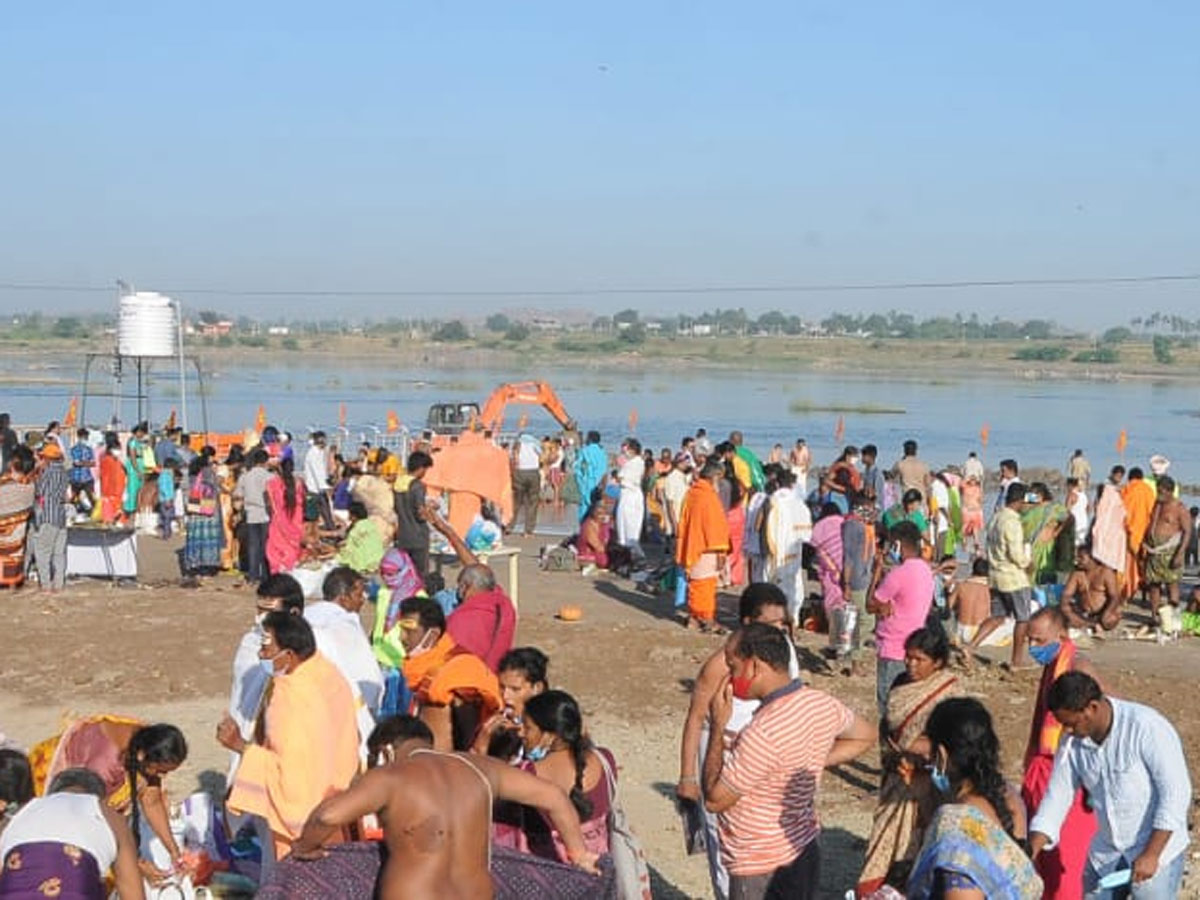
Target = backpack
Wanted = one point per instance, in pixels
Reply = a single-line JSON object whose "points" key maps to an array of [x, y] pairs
{"points": [[629, 862]]}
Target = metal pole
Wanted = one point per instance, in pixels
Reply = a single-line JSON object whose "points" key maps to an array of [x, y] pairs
{"points": [[182, 371]]}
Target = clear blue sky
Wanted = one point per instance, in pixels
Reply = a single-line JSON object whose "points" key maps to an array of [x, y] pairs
{"points": [[524, 146]]}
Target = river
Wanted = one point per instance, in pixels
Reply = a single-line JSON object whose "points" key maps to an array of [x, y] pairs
{"points": [[1037, 422]]}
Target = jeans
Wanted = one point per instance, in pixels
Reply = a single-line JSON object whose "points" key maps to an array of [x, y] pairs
{"points": [[166, 515], [256, 551], [798, 880], [1163, 886], [50, 551], [886, 672]]}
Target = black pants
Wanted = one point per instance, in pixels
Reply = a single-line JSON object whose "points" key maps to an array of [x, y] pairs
{"points": [[798, 880], [420, 558], [256, 552], [527, 495]]}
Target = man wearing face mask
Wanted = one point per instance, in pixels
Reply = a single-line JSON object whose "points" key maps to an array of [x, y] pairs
{"points": [[485, 620], [306, 741], [454, 691], [900, 605], [765, 790], [1052, 648]]}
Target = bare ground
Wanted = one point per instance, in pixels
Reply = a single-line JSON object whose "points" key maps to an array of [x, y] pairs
{"points": [[164, 652]]}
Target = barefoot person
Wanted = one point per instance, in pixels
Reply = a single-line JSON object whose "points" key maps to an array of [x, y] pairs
{"points": [[1052, 648], [703, 545], [1164, 546], [1091, 595], [435, 809]]}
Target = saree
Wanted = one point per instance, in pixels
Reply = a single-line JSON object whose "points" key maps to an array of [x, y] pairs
{"points": [[51, 869], [906, 803], [1038, 523], [827, 541], [16, 510], [350, 871], [205, 540], [285, 534], [83, 744], [736, 517], [961, 843]]}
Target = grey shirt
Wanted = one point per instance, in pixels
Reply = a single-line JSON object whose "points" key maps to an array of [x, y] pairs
{"points": [[252, 489]]}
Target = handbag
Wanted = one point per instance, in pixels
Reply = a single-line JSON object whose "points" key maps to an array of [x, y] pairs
{"points": [[199, 504], [629, 861]]}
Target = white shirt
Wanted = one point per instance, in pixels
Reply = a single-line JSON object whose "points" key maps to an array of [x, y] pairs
{"points": [[316, 472], [341, 640], [973, 468], [529, 453], [64, 818], [1137, 781]]}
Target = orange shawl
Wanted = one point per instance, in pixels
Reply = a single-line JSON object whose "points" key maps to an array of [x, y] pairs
{"points": [[309, 751], [703, 527], [447, 672], [1138, 498], [1047, 730]]}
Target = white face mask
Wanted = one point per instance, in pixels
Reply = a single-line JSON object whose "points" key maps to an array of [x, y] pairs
{"points": [[258, 621], [423, 646]]}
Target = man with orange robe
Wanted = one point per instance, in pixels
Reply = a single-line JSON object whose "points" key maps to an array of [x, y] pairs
{"points": [[1138, 497], [702, 545], [305, 747], [1061, 868], [454, 691]]}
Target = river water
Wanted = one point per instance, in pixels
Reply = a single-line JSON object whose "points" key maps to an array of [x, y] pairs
{"points": [[1038, 422]]}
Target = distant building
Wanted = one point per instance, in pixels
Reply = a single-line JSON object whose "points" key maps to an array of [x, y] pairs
{"points": [[654, 326], [279, 331], [545, 323]]}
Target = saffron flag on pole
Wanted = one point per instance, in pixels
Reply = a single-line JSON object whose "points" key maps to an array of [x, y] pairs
{"points": [[633, 419], [839, 430], [984, 433], [260, 421], [393, 422], [1122, 442], [170, 426], [341, 415], [72, 415]]}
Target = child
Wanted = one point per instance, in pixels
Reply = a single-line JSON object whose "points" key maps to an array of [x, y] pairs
{"points": [[168, 478], [971, 601]]}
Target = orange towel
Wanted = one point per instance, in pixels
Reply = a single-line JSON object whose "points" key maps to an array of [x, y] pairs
{"points": [[308, 753]]}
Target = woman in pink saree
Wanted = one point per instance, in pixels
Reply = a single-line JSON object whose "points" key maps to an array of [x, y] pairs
{"points": [[827, 542], [285, 504]]}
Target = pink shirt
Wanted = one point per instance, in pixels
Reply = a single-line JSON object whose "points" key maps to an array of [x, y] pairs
{"points": [[484, 624], [909, 589]]}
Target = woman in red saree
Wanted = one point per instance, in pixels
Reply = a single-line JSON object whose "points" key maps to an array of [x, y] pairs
{"points": [[285, 505], [112, 481]]}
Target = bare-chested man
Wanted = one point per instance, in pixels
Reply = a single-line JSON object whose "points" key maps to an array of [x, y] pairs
{"points": [[1091, 595], [436, 812], [1165, 545]]}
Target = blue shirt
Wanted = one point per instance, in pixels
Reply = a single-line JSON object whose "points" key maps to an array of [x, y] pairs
{"points": [[82, 460], [166, 486], [1137, 781]]}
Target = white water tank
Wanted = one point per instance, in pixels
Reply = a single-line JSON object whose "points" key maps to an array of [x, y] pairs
{"points": [[147, 325]]}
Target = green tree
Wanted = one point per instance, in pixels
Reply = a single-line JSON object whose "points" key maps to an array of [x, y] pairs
{"points": [[635, 334], [68, 327], [626, 315], [1118, 335], [498, 322], [451, 332], [1162, 350], [516, 331]]}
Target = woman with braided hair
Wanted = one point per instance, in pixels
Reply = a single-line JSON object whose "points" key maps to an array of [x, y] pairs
{"points": [[975, 845], [557, 749], [285, 507]]}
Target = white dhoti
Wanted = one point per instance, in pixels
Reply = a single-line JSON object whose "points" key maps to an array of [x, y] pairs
{"points": [[631, 512]]}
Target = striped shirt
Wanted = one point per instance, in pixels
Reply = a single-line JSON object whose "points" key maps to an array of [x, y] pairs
{"points": [[774, 768], [52, 487]]}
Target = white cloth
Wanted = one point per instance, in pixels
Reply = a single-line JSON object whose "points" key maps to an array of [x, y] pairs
{"points": [[674, 489], [789, 526], [973, 468], [1079, 510], [1137, 782], [341, 639], [631, 507], [941, 493], [751, 536], [65, 818], [246, 694], [529, 453], [316, 470]]}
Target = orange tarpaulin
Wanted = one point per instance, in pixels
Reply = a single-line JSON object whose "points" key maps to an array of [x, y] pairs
{"points": [[472, 469]]}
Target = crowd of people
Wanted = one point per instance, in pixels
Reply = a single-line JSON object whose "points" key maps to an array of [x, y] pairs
{"points": [[430, 732]]}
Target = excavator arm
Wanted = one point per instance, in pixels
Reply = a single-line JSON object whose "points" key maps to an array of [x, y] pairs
{"points": [[536, 393]]}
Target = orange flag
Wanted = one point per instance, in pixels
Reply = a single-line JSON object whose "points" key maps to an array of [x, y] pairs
{"points": [[1122, 442], [341, 415], [633, 419], [170, 420], [393, 422], [984, 433], [839, 430], [72, 413], [260, 421]]}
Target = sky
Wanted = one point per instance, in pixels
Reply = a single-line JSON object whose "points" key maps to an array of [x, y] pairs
{"points": [[431, 149]]}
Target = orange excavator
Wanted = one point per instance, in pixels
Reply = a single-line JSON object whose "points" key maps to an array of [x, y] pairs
{"points": [[454, 418]]}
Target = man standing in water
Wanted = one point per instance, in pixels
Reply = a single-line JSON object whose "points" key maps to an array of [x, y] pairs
{"points": [[436, 812], [1164, 546]]}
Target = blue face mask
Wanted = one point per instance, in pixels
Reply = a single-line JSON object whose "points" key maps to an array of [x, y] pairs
{"points": [[1044, 654], [893, 554], [268, 665], [537, 754], [939, 779]]}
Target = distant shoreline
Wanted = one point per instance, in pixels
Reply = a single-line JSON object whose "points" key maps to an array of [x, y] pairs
{"points": [[61, 362]]}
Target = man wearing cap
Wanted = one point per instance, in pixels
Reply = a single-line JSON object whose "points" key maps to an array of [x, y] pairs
{"points": [[50, 519], [1159, 465]]}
